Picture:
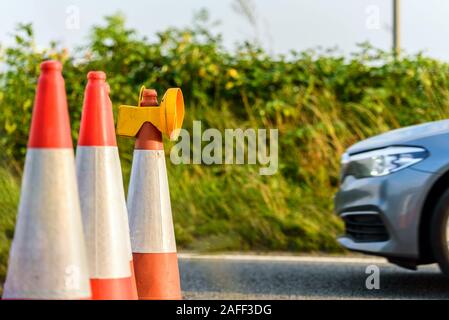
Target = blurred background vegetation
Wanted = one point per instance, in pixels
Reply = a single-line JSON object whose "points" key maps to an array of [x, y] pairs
{"points": [[320, 102]]}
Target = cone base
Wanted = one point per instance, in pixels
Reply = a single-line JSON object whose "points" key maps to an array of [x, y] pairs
{"points": [[135, 296], [26, 299], [112, 289], [157, 276]]}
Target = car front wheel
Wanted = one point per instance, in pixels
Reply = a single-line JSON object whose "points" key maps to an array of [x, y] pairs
{"points": [[440, 233]]}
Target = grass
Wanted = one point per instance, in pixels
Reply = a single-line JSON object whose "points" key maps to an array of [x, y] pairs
{"points": [[9, 195]]}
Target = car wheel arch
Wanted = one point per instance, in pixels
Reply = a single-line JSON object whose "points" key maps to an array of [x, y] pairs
{"points": [[435, 192]]}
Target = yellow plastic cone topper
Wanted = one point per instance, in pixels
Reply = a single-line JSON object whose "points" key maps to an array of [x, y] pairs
{"points": [[167, 117]]}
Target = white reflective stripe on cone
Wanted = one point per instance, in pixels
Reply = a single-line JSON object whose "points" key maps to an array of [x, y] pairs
{"points": [[127, 231], [149, 206], [103, 208], [48, 258]]}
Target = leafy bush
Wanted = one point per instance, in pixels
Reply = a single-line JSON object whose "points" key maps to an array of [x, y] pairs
{"points": [[321, 103]]}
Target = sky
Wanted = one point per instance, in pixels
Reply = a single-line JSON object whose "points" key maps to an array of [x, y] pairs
{"points": [[281, 25]]}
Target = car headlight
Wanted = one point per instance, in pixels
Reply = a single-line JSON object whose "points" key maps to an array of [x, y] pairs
{"points": [[381, 162]]}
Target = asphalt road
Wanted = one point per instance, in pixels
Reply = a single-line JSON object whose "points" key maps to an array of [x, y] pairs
{"points": [[283, 277]]}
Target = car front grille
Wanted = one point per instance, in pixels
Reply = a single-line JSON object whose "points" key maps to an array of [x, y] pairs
{"points": [[365, 227]]}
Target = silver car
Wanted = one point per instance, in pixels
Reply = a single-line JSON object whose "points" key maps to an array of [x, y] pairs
{"points": [[394, 196]]}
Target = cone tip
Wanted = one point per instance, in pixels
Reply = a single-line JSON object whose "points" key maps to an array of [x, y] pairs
{"points": [[50, 125], [96, 75], [149, 93], [97, 121], [149, 98], [51, 65]]}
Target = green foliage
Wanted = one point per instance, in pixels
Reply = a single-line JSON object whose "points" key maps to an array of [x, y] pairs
{"points": [[321, 103], [9, 191]]}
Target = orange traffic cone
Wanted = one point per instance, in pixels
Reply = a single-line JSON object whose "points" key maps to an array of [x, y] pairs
{"points": [[48, 258], [102, 197], [152, 235], [125, 220]]}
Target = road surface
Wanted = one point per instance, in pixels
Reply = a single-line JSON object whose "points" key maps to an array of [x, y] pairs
{"points": [[284, 277]]}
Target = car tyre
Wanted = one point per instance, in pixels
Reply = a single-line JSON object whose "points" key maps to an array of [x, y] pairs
{"points": [[439, 233]]}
